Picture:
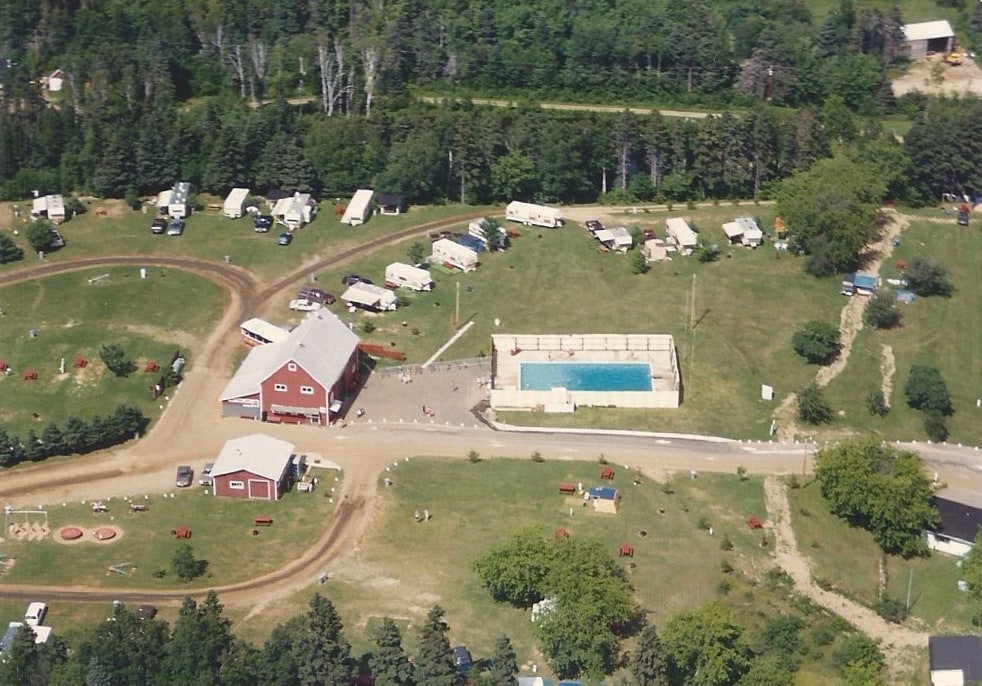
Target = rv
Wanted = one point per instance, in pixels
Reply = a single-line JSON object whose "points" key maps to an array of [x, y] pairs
{"points": [[533, 215], [370, 297], [398, 274], [234, 206], [359, 208], [445, 251]]}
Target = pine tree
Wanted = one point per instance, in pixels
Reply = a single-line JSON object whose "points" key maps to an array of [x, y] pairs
{"points": [[503, 666], [649, 665], [322, 654], [389, 663], [9, 251], [434, 665]]}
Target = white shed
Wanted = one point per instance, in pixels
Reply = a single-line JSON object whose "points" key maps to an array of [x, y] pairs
{"points": [[929, 36], [359, 208], [370, 297], [678, 232], [533, 215], [400, 274], [295, 211], [456, 255], [235, 203]]}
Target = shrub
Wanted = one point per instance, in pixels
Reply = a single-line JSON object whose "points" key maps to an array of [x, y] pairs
{"points": [[704, 524], [935, 427], [9, 251], [537, 457], [882, 312], [876, 403], [726, 543], [725, 567], [817, 342], [891, 609], [742, 473], [368, 327], [709, 252], [474, 457], [860, 649], [639, 265], [812, 406], [926, 278], [926, 390]]}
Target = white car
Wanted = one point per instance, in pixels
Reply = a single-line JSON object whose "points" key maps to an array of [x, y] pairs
{"points": [[304, 305]]}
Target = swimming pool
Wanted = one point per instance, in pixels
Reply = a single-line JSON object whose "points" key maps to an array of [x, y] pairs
{"points": [[585, 376]]}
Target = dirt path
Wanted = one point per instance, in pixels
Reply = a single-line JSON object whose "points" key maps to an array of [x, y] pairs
{"points": [[894, 638], [888, 367], [850, 323]]}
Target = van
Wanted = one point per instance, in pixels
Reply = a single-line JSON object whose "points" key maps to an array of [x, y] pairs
{"points": [[35, 614]]}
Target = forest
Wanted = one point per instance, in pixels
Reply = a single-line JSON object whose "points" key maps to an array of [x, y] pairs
{"points": [[323, 96]]}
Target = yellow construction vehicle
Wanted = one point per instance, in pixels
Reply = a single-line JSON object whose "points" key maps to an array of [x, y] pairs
{"points": [[953, 58]]}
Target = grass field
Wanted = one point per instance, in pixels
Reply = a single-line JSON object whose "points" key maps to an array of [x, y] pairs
{"points": [[847, 558], [148, 317], [221, 534]]}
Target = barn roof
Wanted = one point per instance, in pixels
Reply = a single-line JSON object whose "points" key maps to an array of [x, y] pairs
{"points": [[928, 30], [322, 344], [257, 454]]}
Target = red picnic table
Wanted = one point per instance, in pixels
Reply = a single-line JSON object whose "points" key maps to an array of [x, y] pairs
{"points": [[80, 362], [607, 473], [30, 375], [625, 550], [181, 532]]}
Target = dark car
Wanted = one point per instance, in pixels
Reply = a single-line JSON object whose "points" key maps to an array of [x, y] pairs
{"points": [[185, 475], [593, 226], [158, 226], [175, 227], [462, 659], [352, 279], [316, 295], [284, 238], [262, 222]]}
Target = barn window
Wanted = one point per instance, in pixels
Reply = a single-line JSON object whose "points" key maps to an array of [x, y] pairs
{"points": [[307, 390], [292, 366], [281, 387], [236, 485]]}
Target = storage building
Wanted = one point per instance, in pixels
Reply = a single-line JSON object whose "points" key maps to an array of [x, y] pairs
{"points": [[256, 467], [927, 37], [391, 203]]}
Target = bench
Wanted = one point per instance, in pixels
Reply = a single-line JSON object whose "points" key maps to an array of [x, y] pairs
{"points": [[263, 521], [567, 489], [135, 507], [606, 473]]}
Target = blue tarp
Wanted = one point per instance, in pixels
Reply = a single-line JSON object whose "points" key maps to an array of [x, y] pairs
{"points": [[865, 281], [472, 242], [603, 492], [905, 297]]}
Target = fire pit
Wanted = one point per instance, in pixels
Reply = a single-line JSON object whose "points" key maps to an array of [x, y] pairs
{"points": [[70, 533], [105, 533]]}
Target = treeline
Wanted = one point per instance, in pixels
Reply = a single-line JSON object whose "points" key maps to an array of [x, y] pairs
{"points": [[74, 437]]}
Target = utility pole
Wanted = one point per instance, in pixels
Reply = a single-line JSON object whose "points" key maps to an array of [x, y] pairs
{"points": [[692, 305], [910, 587], [456, 311]]}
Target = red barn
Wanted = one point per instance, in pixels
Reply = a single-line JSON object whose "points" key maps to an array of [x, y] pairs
{"points": [[255, 467], [302, 379]]}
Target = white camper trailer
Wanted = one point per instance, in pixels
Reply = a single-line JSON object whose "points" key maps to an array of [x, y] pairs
{"points": [[50, 207], [456, 255], [677, 231], [370, 297], [178, 205], [359, 208], [405, 275], [234, 206], [533, 215]]}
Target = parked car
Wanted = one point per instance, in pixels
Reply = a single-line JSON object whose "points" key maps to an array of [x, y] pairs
{"points": [[175, 227], [185, 476], [304, 305], [57, 240], [262, 222], [205, 479], [316, 295], [158, 226], [35, 614], [462, 659], [284, 238], [593, 226], [352, 279]]}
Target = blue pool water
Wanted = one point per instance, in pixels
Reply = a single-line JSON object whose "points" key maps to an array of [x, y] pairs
{"points": [[585, 376]]}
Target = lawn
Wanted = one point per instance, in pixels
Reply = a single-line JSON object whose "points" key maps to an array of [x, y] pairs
{"points": [[221, 535], [72, 317], [936, 331], [847, 559]]}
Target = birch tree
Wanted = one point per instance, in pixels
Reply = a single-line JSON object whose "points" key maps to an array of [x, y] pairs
{"points": [[331, 63]]}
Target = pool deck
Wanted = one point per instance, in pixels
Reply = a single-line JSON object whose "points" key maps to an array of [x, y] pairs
{"points": [[510, 351]]}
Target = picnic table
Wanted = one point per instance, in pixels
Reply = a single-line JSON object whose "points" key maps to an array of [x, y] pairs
{"points": [[181, 532], [566, 488], [138, 507], [607, 473], [30, 375], [263, 521], [625, 550]]}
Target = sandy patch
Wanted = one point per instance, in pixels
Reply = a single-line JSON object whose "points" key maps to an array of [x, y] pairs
{"points": [[181, 338], [888, 367], [961, 80]]}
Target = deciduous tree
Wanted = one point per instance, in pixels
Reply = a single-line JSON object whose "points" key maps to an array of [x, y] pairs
{"points": [[926, 390], [817, 342], [706, 647]]}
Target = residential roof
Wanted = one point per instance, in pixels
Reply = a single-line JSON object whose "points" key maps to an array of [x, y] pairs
{"points": [[604, 235], [603, 492], [322, 345], [182, 190], [926, 30], [622, 236], [236, 197], [257, 454], [962, 653], [294, 204], [390, 199], [960, 513], [41, 635]]}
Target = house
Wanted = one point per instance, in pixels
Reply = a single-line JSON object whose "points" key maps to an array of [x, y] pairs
{"points": [[391, 203], [235, 203], [399, 274], [955, 660], [370, 297], [961, 516], [604, 498], [455, 255], [294, 211], [359, 208], [678, 233], [743, 231], [301, 379], [928, 37], [256, 467], [50, 207], [654, 250], [55, 80], [257, 331], [175, 201], [530, 214]]}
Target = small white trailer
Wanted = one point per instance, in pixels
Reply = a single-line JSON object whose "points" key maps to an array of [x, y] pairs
{"points": [[234, 206], [370, 297], [445, 251], [359, 208], [399, 274], [530, 214]]}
